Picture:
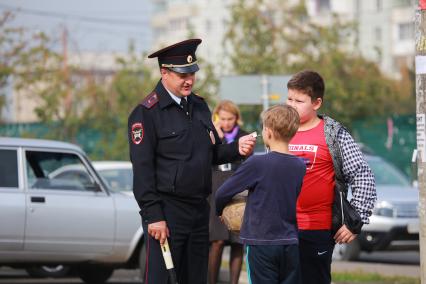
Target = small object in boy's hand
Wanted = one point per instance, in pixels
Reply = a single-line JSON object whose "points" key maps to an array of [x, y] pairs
{"points": [[254, 134]]}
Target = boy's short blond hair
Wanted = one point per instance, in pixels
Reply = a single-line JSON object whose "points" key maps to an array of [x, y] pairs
{"points": [[282, 120]]}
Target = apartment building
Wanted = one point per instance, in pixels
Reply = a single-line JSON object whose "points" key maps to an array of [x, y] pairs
{"points": [[175, 20], [385, 30]]}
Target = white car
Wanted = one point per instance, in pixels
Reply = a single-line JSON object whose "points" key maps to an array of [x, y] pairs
{"points": [[117, 174], [54, 219]]}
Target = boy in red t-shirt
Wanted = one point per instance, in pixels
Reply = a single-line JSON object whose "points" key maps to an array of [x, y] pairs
{"points": [[313, 143]]}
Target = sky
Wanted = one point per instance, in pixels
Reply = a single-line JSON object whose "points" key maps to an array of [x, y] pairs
{"points": [[92, 25]]}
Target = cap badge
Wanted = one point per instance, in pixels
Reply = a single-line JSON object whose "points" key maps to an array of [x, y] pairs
{"points": [[189, 59]]}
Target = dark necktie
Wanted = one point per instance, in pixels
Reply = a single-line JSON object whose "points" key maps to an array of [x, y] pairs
{"points": [[184, 105]]}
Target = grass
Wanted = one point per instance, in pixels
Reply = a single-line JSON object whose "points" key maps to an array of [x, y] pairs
{"points": [[371, 278], [359, 276]]}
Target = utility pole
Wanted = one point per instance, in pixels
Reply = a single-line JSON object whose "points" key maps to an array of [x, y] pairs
{"points": [[420, 67], [68, 96]]}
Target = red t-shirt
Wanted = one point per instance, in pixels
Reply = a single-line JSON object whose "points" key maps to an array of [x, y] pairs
{"points": [[316, 197]]}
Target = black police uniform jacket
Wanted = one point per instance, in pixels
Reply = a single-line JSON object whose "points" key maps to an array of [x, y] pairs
{"points": [[172, 152]]}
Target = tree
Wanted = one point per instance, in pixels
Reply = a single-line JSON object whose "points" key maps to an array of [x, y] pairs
{"points": [[277, 37], [24, 57], [112, 104], [79, 105], [9, 47], [207, 82], [40, 74]]}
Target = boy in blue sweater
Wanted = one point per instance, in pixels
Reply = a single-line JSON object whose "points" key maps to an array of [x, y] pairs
{"points": [[274, 180]]}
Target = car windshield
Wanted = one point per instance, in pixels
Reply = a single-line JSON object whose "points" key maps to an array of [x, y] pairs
{"points": [[385, 173], [118, 179]]}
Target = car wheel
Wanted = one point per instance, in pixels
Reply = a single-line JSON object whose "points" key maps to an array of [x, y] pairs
{"points": [[142, 262], [95, 274], [48, 271], [347, 252]]}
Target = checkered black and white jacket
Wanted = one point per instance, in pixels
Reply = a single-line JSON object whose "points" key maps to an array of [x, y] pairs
{"points": [[351, 169]]}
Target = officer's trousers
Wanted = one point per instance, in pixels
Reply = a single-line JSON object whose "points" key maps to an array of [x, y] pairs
{"points": [[189, 244]]}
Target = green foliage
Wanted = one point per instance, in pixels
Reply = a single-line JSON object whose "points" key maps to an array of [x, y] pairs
{"points": [[207, 83], [38, 74], [77, 105], [275, 37], [371, 278], [251, 34], [11, 44], [112, 105], [23, 56]]}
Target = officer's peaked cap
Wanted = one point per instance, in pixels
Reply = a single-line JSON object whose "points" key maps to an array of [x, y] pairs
{"points": [[179, 57]]}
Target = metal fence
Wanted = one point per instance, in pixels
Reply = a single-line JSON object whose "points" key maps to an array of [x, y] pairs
{"points": [[393, 137]]}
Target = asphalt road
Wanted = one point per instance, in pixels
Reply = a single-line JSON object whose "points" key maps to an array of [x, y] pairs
{"points": [[402, 263], [385, 263]]}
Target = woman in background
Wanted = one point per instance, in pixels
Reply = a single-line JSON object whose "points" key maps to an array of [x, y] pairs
{"points": [[227, 120]]}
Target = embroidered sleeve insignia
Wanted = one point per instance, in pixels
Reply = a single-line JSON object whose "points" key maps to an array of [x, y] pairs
{"points": [[137, 133], [150, 100]]}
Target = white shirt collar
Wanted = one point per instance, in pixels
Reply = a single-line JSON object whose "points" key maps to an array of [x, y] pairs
{"points": [[174, 97]]}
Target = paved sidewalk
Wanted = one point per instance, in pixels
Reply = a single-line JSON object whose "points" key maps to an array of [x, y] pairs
{"points": [[224, 277], [384, 269]]}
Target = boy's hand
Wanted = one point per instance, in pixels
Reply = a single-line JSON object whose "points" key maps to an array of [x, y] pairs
{"points": [[344, 236], [246, 145]]}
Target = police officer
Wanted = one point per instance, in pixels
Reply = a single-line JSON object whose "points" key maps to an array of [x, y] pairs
{"points": [[173, 144]]}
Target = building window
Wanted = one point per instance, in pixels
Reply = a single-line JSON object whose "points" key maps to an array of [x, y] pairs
{"points": [[178, 24], [379, 5], [323, 5], [378, 34], [405, 31], [208, 26], [357, 6], [406, 3]]}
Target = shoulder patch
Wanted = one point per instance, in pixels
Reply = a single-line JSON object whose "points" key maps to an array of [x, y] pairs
{"points": [[150, 100], [198, 96], [137, 133]]}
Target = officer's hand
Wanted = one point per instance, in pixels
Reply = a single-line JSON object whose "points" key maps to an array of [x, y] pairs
{"points": [[344, 236], [159, 231], [246, 144]]}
